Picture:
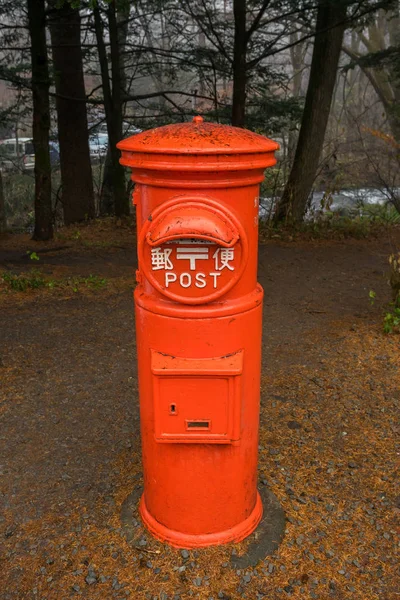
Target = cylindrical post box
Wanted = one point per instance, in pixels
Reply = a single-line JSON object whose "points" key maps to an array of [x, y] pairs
{"points": [[198, 326]]}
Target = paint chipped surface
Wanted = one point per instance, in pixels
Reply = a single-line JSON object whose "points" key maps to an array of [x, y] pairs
{"points": [[198, 138]]}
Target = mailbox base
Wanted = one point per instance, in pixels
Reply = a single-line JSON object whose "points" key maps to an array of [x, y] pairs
{"points": [[182, 540], [262, 542]]}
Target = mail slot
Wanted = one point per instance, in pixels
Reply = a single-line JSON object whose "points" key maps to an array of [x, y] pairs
{"points": [[198, 310]]}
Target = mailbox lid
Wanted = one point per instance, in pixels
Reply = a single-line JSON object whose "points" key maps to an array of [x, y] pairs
{"points": [[197, 147], [198, 137]]}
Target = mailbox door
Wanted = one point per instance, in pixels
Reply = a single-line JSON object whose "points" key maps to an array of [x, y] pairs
{"points": [[197, 400]]}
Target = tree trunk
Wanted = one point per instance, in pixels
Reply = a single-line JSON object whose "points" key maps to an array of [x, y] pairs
{"points": [[3, 216], [107, 205], [106, 195], [327, 45], [297, 56], [41, 120], [121, 198], [239, 64], [76, 173], [112, 105]]}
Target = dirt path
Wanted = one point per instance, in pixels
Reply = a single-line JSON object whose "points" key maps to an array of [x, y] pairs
{"points": [[70, 448]]}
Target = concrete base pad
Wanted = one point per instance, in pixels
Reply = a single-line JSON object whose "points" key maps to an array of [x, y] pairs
{"points": [[268, 535], [261, 543]]}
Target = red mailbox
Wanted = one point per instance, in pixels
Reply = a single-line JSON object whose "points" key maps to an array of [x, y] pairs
{"points": [[198, 327]]}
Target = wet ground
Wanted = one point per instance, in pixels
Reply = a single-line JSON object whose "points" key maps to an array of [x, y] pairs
{"points": [[70, 447]]}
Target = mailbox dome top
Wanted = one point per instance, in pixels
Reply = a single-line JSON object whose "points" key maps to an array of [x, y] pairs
{"points": [[198, 137]]}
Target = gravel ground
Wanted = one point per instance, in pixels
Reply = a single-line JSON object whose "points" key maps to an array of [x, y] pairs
{"points": [[70, 447]]}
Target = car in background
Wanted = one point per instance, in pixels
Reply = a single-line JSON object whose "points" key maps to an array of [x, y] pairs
{"points": [[54, 148], [130, 129], [98, 144], [98, 140], [19, 154]]}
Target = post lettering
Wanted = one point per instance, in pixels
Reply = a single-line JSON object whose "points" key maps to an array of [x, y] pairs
{"points": [[214, 276], [169, 278], [185, 280], [200, 280]]}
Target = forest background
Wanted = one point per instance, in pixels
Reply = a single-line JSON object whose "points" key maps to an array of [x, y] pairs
{"points": [[322, 78], [319, 76]]}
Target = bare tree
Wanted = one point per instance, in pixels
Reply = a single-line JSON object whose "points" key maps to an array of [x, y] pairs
{"points": [[113, 102], [107, 196], [3, 216], [76, 172], [239, 63], [381, 39], [297, 52], [41, 120], [330, 26]]}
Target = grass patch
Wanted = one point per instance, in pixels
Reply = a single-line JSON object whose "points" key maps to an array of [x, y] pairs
{"points": [[34, 280], [391, 320], [23, 282], [332, 227]]}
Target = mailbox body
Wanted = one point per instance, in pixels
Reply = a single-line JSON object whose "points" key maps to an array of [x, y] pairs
{"points": [[198, 325]]}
